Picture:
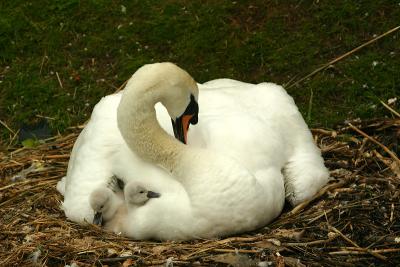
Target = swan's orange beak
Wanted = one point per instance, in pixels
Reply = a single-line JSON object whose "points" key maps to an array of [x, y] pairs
{"points": [[185, 126], [181, 124], [181, 127]]}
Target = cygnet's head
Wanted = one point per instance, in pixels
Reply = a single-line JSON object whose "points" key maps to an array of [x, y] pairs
{"points": [[101, 202], [137, 195]]}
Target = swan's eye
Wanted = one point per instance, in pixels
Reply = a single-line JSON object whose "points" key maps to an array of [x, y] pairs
{"points": [[141, 192]]}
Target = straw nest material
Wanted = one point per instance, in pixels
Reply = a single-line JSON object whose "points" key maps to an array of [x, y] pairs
{"points": [[353, 221]]}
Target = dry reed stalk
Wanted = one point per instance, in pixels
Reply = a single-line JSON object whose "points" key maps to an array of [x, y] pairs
{"points": [[390, 109], [344, 56], [6, 126]]}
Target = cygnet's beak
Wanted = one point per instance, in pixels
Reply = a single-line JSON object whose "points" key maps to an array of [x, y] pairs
{"points": [[98, 218], [151, 194], [181, 124]]}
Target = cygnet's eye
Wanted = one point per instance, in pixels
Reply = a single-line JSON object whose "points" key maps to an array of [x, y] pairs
{"points": [[141, 192], [102, 206]]}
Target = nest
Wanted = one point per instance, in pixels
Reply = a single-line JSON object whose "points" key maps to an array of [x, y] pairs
{"points": [[353, 221]]}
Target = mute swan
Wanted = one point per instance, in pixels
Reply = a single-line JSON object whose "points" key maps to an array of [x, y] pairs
{"points": [[264, 145], [223, 196]]}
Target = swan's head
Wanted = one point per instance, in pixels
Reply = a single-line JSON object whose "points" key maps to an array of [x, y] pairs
{"points": [[175, 89], [180, 123], [181, 99], [100, 201], [137, 195]]}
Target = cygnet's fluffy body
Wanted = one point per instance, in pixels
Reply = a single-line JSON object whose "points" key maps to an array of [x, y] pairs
{"points": [[104, 203], [106, 200]]}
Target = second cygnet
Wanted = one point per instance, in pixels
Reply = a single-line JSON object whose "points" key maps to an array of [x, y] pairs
{"points": [[110, 203]]}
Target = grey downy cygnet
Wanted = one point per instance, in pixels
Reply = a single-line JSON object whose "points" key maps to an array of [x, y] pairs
{"points": [[105, 200], [137, 194]]}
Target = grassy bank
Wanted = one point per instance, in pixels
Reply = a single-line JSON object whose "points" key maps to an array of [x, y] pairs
{"points": [[58, 58]]}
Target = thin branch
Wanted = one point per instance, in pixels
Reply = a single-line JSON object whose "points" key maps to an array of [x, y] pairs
{"points": [[121, 87], [344, 56], [244, 251], [364, 251], [387, 150], [59, 80], [325, 189], [311, 243], [391, 109], [6, 126], [344, 237]]}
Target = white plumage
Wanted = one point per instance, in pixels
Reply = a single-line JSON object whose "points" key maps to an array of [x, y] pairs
{"points": [[246, 136]]}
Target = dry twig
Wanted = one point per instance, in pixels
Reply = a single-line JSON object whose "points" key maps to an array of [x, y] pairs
{"points": [[344, 56]]}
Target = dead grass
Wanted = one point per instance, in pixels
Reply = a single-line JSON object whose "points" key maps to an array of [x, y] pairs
{"points": [[354, 221]]}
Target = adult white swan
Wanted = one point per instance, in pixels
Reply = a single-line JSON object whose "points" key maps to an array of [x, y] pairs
{"points": [[226, 193], [255, 128]]}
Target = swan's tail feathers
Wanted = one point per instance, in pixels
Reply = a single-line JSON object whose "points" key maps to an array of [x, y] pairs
{"points": [[61, 185], [304, 177]]}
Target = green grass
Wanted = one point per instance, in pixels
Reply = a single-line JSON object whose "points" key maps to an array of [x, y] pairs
{"points": [[94, 46]]}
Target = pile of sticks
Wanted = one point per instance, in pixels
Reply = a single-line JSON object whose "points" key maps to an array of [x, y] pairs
{"points": [[353, 221]]}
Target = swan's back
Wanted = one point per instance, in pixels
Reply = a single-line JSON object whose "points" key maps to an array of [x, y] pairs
{"points": [[242, 119], [260, 126]]}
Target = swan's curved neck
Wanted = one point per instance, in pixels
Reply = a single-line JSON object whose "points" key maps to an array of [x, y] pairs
{"points": [[139, 127]]}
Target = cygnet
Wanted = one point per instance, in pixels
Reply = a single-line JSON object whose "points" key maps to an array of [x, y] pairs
{"points": [[136, 194], [105, 200]]}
